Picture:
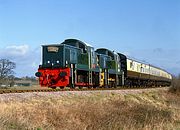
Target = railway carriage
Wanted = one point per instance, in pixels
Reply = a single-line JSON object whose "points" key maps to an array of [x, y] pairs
{"points": [[159, 77], [75, 63], [143, 74]]}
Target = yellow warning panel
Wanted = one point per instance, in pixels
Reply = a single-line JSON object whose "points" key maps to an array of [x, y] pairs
{"points": [[102, 79]]}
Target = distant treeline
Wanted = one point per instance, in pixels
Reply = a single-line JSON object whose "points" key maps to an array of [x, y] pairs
{"points": [[31, 78]]}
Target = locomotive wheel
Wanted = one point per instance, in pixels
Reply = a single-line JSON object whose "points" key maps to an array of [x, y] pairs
{"points": [[72, 86], [89, 87], [94, 86], [62, 87], [53, 87], [80, 87]]}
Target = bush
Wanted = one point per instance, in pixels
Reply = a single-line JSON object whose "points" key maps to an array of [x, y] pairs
{"points": [[175, 88]]}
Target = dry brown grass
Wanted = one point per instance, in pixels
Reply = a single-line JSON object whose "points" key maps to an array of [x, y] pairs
{"points": [[152, 110]]}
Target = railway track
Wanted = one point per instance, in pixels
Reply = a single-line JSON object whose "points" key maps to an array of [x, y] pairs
{"points": [[4, 91]]}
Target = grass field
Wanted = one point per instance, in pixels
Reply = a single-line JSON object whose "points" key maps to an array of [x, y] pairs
{"points": [[91, 111]]}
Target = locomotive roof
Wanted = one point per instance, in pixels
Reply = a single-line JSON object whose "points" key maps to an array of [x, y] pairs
{"points": [[88, 44], [76, 40], [106, 50]]}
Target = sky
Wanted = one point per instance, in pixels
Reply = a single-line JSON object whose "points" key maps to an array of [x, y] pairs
{"points": [[148, 30]]}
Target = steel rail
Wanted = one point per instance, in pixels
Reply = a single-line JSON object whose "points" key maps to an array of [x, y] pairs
{"points": [[4, 91]]}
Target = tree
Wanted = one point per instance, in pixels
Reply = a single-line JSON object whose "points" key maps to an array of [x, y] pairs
{"points": [[179, 76], [6, 70]]}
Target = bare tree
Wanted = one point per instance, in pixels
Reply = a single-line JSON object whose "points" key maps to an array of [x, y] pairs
{"points": [[6, 70]]}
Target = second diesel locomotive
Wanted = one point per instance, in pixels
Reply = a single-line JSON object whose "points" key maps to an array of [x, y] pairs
{"points": [[75, 63]]}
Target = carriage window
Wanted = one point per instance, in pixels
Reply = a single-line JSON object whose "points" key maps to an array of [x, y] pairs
{"points": [[131, 64]]}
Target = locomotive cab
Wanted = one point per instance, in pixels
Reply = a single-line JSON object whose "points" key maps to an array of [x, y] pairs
{"points": [[54, 71], [84, 69], [110, 65], [52, 56]]}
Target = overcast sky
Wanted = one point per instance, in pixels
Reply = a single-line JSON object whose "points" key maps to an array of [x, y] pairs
{"points": [[148, 30]]}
